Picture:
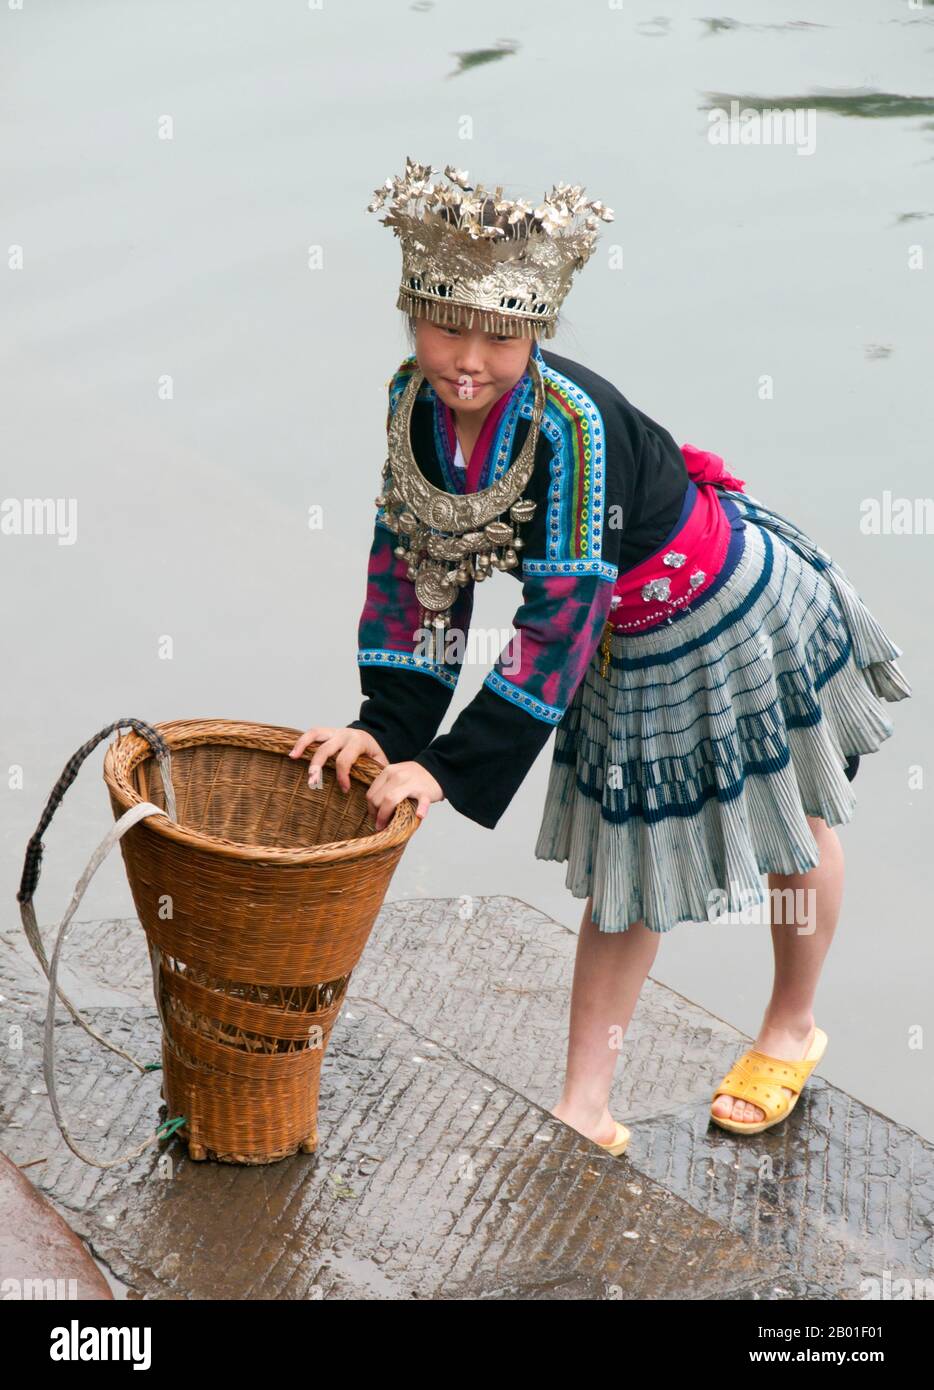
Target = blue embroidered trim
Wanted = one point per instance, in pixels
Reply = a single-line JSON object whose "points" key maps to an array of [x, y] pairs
{"points": [[452, 475], [562, 511], [562, 488], [499, 455], [501, 448], [548, 714], [400, 380], [379, 656], [601, 567]]}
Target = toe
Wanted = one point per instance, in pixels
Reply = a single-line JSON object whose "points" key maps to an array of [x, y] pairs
{"points": [[733, 1108], [741, 1110], [728, 1107]]}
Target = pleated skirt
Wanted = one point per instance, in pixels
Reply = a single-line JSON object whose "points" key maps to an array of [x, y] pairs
{"points": [[689, 770]]}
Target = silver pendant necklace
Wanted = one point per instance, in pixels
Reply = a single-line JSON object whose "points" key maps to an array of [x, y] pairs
{"points": [[454, 537]]}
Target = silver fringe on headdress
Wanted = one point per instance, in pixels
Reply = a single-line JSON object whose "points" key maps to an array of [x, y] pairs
{"points": [[472, 256]]}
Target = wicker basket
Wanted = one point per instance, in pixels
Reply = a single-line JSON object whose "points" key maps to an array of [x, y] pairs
{"points": [[257, 903]]}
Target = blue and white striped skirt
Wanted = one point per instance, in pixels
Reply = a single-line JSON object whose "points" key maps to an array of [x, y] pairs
{"points": [[689, 770]]}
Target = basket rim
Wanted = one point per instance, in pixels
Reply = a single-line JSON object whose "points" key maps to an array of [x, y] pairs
{"points": [[130, 749]]}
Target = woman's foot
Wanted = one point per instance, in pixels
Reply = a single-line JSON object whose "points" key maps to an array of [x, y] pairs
{"points": [[597, 1125], [791, 1045]]}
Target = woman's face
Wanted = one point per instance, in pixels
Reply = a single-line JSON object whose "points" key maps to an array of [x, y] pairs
{"points": [[468, 367]]}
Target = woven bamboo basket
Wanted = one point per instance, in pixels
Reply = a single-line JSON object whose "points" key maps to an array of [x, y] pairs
{"points": [[257, 903]]}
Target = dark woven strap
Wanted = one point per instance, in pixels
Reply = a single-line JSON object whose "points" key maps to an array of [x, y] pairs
{"points": [[34, 848]]}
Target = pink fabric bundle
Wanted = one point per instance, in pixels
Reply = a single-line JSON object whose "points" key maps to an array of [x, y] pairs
{"points": [[702, 542]]}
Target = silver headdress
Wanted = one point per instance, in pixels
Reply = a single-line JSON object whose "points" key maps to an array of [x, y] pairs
{"points": [[468, 253]]}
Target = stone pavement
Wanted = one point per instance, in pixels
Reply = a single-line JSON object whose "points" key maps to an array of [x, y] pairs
{"points": [[440, 1173]]}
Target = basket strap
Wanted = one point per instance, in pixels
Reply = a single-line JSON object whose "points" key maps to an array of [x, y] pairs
{"points": [[27, 888], [35, 847], [116, 832]]}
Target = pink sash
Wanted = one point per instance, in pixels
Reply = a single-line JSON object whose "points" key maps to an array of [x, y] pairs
{"points": [[646, 594]]}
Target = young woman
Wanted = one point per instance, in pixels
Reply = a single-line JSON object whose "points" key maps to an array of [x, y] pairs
{"points": [[711, 674]]}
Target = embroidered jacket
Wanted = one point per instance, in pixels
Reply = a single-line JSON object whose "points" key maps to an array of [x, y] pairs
{"points": [[609, 484]]}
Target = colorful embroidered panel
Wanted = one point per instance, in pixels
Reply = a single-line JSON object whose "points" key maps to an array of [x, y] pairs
{"points": [[573, 424], [389, 632], [558, 628]]}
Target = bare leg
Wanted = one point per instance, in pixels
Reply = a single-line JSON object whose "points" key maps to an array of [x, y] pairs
{"points": [[788, 1022], [609, 972]]}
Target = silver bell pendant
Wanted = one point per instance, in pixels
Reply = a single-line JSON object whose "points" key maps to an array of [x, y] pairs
{"points": [[438, 624]]}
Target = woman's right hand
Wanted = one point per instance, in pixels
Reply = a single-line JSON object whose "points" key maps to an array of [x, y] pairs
{"points": [[348, 744]]}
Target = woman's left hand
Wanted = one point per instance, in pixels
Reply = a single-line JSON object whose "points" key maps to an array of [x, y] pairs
{"points": [[394, 784]]}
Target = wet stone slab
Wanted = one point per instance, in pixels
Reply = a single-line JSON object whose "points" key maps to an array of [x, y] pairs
{"points": [[440, 1173], [836, 1195], [432, 1180]]}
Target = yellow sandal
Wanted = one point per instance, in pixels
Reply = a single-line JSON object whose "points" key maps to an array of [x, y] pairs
{"points": [[617, 1144], [759, 1078]]}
